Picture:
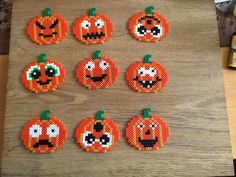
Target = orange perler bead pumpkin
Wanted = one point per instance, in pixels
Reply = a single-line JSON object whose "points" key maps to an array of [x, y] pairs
{"points": [[97, 134], [44, 134], [93, 28], [147, 132], [97, 72], [147, 76], [47, 29], [148, 26], [46, 75]]}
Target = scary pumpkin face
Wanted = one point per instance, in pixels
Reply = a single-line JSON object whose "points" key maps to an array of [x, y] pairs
{"points": [[147, 132], [44, 134], [97, 134], [43, 76], [93, 28], [147, 76], [47, 29], [148, 26], [97, 72]]}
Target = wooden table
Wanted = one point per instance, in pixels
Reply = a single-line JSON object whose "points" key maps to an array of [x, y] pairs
{"points": [[193, 103]]}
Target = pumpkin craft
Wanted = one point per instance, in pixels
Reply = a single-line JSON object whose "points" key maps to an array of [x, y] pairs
{"points": [[148, 26], [47, 29], [97, 72], [93, 28], [45, 75], [147, 132], [44, 134], [97, 133]]}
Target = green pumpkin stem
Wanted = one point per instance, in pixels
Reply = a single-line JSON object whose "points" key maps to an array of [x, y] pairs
{"points": [[46, 115], [42, 58], [100, 115], [147, 59], [92, 12], [97, 54], [149, 10], [147, 113], [47, 12]]}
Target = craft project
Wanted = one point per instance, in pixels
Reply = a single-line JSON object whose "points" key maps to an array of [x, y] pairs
{"points": [[44, 134], [148, 26], [45, 75], [147, 76], [97, 72], [97, 133], [147, 132], [47, 29], [93, 28]]}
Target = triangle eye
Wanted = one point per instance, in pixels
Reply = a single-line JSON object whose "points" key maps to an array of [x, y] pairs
{"points": [[39, 25], [54, 24]]}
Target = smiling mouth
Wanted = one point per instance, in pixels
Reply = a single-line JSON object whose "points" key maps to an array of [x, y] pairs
{"points": [[97, 79], [147, 83], [148, 142], [44, 83], [49, 35], [43, 142], [94, 35]]}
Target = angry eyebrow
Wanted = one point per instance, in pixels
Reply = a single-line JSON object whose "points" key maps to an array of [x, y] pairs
{"points": [[54, 24], [143, 18], [40, 26]]}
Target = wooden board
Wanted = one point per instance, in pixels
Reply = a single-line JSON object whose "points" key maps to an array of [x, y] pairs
{"points": [[193, 103]]}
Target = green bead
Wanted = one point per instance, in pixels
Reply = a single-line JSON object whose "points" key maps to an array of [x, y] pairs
{"points": [[147, 59], [42, 58], [149, 10], [46, 115], [47, 12], [100, 115], [147, 113], [97, 54], [92, 11]]}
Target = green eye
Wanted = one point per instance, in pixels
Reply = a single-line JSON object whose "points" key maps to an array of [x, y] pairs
{"points": [[33, 73], [52, 70]]}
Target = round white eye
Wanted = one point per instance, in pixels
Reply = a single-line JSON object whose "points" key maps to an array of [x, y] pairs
{"points": [[52, 70], [35, 131], [141, 126], [142, 71], [152, 72], [99, 23], [104, 65], [88, 139], [33, 73], [140, 30], [106, 140], [53, 130], [157, 31], [153, 125], [89, 66], [86, 24]]}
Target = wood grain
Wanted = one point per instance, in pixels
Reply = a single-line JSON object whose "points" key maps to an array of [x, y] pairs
{"points": [[193, 103]]}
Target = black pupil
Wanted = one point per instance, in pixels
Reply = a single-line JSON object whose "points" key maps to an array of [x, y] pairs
{"points": [[35, 74], [87, 25], [153, 70], [140, 126], [52, 130], [104, 139], [141, 30], [105, 64], [89, 67], [35, 130], [155, 30], [98, 24], [50, 72], [141, 72], [90, 138]]}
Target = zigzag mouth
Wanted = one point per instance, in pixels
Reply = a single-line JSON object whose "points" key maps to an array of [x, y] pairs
{"points": [[97, 79], [48, 36], [147, 83], [44, 83], [94, 35]]}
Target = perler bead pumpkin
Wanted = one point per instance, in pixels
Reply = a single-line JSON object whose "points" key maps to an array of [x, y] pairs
{"points": [[147, 132], [44, 134], [93, 28], [97, 133], [97, 72], [47, 29], [148, 26], [147, 76], [45, 75]]}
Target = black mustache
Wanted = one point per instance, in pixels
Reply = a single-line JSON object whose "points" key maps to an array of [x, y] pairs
{"points": [[43, 142], [44, 83], [94, 35]]}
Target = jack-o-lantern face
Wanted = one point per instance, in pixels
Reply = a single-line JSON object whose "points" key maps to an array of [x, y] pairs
{"points": [[148, 26], [47, 29], [93, 28], [43, 76], [97, 134], [44, 134], [97, 72], [147, 132], [147, 76]]}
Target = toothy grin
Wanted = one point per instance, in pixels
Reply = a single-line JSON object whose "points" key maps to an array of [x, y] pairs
{"points": [[49, 35], [147, 83], [43, 142], [94, 35], [44, 83], [97, 79], [148, 142]]}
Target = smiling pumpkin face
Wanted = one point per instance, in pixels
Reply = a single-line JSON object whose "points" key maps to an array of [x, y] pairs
{"points": [[93, 28], [46, 75], [147, 132], [47, 29], [97, 72], [44, 134], [147, 76]]}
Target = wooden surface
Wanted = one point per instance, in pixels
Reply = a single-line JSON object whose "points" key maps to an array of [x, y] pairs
{"points": [[193, 103]]}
